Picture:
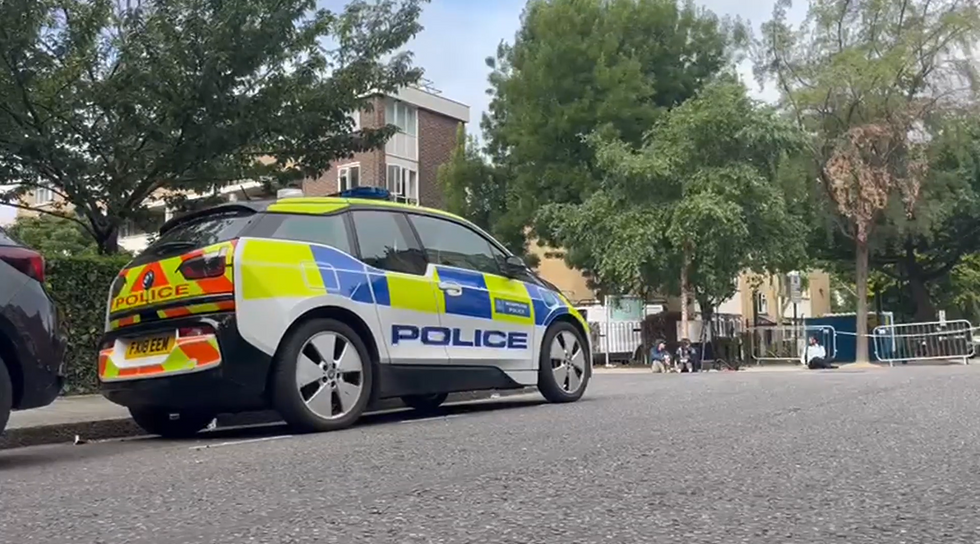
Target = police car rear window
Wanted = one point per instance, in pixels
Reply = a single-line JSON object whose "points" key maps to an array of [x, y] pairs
{"points": [[330, 230], [197, 233]]}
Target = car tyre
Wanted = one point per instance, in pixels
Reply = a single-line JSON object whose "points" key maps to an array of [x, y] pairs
{"points": [[425, 403], [565, 364], [161, 421], [6, 395], [333, 355]]}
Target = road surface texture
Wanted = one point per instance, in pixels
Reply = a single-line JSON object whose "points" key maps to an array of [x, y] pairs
{"points": [[877, 456]]}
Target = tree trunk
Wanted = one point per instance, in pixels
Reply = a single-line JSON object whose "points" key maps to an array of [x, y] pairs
{"points": [[685, 296], [861, 327], [925, 311], [108, 242], [917, 290]]}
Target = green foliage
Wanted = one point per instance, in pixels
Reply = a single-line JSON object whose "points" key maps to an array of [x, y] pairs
{"points": [[707, 178], [80, 287], [105, 103], [964, 292], [478, 191], [53, 236], [580, 66]]}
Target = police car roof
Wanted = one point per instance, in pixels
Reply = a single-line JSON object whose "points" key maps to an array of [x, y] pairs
{"points": [[312, 205]]}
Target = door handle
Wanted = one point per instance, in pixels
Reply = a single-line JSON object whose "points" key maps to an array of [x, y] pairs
{"points": [[451, 288]]}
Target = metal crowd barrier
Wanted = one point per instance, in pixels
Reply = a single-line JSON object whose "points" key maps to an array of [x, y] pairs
{"points": [[616, 341], [934, 341], [787, 343]]}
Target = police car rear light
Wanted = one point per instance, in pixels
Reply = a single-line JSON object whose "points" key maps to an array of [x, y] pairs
{"points": [[211, 265], [191, 332], [371, 193]]}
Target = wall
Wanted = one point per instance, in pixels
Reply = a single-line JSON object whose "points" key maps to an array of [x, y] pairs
{"points": [[571, 282], [372, 162], [437, 140]]}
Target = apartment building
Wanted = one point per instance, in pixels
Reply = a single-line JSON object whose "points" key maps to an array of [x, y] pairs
{"points": [[427, 127]]}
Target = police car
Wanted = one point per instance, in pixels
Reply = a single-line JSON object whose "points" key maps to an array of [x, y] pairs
{"points": [[318, 307]]}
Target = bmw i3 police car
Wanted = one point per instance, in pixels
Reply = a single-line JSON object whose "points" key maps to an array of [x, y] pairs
{"points": [[317, 307]]}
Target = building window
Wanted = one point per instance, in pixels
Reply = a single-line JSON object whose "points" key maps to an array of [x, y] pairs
{"points": [[43, 195], [349, 177], [401, 115], [761, 304], [356, 118], [403, 183]]}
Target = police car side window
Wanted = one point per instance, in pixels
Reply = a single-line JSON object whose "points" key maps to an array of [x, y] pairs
{"points": [[451, 244], [384, 241], [330, 230]]}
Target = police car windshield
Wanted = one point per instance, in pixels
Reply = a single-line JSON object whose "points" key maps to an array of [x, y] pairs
{"points": [[199, 232]]}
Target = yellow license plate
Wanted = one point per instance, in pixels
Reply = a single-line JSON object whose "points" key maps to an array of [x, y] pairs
{"points": [[150, 346]]}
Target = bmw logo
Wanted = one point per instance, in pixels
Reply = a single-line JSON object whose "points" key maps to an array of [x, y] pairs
{"points": [[148, 280]]}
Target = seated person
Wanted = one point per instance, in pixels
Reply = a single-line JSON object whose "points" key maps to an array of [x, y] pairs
{"points": [[660, 357], [815, 356], [687, 357]]}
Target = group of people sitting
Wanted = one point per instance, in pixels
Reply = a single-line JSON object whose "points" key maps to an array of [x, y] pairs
{"points": [[686, 358]]}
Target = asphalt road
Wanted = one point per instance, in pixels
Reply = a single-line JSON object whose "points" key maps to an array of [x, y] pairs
{"points": [[883, 456]]}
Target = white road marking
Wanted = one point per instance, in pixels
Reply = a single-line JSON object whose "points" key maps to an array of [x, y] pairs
{"points": [[239, 442], [450, 416]]}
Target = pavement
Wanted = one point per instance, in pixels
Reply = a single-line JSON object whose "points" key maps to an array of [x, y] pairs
{"points": [[862, 456]]}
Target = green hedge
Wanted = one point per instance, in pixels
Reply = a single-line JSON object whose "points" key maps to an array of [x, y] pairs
{"points": [[80, 287]]}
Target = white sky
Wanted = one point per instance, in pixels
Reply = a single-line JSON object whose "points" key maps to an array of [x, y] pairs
{"points": [[460, 34]]}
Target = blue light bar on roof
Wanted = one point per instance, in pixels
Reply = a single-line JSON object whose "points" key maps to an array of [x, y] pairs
{"points": [[372, 193]]}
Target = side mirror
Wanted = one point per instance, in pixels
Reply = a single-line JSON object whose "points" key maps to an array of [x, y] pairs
{"points": [[514, 266]]}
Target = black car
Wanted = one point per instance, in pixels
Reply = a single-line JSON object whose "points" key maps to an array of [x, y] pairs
{"points": [[32, 342]]}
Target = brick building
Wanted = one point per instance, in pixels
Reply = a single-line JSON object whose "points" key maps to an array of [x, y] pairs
{"points": [[427, 127]]}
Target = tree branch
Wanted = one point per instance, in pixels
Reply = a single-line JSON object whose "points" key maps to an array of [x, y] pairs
{"points": [[87, 228]]}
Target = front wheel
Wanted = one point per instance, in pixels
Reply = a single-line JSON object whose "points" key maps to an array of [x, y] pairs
{"points": [[170, 423], [323, 377], [565, 367]]}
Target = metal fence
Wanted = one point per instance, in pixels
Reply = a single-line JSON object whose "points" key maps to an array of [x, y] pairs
{"points": [[787, 343], [618, 339], [933, 341]]}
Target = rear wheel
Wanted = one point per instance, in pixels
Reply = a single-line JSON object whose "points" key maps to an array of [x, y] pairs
{"points": [[6, 395], [425, 403], [565, 366], [170, 423], [323, 377]]}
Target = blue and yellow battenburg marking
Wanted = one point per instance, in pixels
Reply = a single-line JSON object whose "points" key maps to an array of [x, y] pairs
{"points": [[310, 270]]}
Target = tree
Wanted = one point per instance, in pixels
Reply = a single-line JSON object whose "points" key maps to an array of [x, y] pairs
{"points": [[479, 191], [866, 78], [916, 256], [53, 236], [578, 66], [700, 202], [108, 103]]}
